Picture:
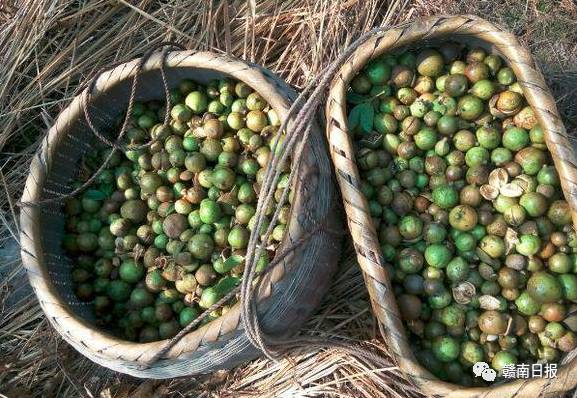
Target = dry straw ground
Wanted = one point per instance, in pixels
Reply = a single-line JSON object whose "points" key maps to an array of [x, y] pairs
{"points": [[50, 47]]}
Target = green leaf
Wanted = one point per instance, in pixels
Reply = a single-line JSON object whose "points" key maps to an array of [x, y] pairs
{"points": [[226, 284], [233, 261], [107, 189], [355, 117], [366, 118], [95, 194], [355, 98]]}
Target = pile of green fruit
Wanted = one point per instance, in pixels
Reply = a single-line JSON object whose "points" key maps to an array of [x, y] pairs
{"points": [[468, 209], [162, 235]]}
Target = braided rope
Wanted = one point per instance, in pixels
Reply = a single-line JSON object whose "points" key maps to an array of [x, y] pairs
{"points": [[297, 127], [115, 145]]}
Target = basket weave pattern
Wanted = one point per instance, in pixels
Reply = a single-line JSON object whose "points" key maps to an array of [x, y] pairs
{"points": [[287, 294], [478, 32]]}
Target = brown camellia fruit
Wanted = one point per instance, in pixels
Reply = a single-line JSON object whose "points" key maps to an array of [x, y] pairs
{"points": [[559, 213], [410, 306], [553, 312], [174, 224], [134, 210], [493, 322], [463, 217], [525, 118], [402, 76], [509, 101], [430, 63], [477, 71]]}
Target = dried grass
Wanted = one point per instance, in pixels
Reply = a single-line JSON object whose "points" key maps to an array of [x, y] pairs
{"points": [[50, 47]]}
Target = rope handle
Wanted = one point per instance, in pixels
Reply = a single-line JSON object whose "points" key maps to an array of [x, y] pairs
{"points": [[302, 113], [87, 95]]}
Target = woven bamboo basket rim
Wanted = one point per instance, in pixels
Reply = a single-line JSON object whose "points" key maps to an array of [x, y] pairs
{"points": [[81, 334], [464, 28]]}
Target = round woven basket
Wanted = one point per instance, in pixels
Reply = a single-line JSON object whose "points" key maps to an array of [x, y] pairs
{"points": [[287, 294], [477, 32]]}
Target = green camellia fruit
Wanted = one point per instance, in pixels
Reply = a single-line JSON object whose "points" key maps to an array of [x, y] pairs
{"points": [[410, 227], [209, 211], [437, 255], [528, 245], [131, 271], [544, 287], [515, 138], [446, 348], [147, 237]]}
